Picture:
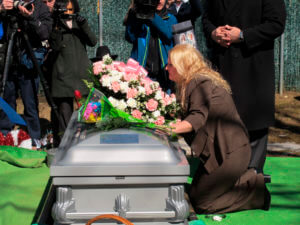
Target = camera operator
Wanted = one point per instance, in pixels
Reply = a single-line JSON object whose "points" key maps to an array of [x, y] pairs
{"points": [[151, 36], [69, 60], [24, 20]]}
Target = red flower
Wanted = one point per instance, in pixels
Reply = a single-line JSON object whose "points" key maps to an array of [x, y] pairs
{"points": [[22, 135], [2, 139], [77, 94], [9, 140]]}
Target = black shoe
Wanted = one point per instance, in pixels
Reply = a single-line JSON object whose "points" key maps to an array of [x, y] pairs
{"points": [[267, 178], [192, 216], [267, 199]]}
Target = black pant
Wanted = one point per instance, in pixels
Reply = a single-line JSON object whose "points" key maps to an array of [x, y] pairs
{"points": [[65, 109], [258, 142]]}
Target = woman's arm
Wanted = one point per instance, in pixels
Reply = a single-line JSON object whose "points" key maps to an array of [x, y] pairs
{"points": [[181, 127], [198, 107]]}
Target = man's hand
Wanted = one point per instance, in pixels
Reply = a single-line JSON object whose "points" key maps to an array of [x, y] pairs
{"points": [[25, 12], [7, 5], [234, 33], [221, 36]]}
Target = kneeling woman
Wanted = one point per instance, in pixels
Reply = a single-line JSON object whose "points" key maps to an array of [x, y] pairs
{"points": [[217, 136]]}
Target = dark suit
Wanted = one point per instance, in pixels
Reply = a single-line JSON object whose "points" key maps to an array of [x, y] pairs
{"points": [[219, 139], [248, 66], [188, 11]]}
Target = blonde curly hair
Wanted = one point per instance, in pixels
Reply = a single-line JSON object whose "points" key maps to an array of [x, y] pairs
{"points": [[190, 64]]}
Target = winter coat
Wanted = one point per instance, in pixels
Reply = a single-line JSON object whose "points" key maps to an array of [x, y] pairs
{"points": [[248, 66], [70, 59], [138, 33]]}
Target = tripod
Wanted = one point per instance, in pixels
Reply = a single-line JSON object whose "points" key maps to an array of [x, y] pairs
{"points": [[14, 25]]}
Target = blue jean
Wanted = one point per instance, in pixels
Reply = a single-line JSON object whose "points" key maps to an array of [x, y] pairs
{"points": [[27, 82]]}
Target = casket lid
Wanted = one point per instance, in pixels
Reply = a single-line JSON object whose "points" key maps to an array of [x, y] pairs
{"points": [[120, 152]]}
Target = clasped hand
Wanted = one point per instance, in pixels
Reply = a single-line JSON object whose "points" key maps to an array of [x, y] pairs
{"points": [[226, 35]]}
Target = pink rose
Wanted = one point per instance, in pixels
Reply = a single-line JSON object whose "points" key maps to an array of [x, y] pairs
{"points": [[115, 86], [160, 120], [131, 93], [137, 114], [151, 105]]}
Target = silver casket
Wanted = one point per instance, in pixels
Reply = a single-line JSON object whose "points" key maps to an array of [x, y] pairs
{"points": [[132, 173]]}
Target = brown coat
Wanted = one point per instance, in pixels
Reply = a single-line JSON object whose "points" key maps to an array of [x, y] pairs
{"points": [[219, 139]]}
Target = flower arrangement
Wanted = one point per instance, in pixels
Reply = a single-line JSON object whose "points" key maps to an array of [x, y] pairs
{"points": [[128, 89], [17, 138]]}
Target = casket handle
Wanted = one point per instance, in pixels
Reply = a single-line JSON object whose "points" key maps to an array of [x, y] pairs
{"points": [[109, 216]]}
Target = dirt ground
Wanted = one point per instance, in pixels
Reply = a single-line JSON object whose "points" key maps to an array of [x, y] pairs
{"points": [[286, 129]]}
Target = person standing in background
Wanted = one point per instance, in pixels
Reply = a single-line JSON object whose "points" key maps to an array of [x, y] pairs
{"points": [[185, 10], [35, 22], [152, 39], [241, 35], [71, 33]]}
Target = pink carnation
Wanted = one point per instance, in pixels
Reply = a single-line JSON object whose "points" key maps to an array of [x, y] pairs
{"points": [[131, 93], [97, 68], [167, 100], [109, 67], [151, 105], [137, 114], [115, 86], [148, 89], [160, 120], [130, 76], [120, 66]]}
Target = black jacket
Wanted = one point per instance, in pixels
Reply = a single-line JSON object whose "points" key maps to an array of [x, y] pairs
{"points": [[69, 59], [248, 66], [188, 11]]}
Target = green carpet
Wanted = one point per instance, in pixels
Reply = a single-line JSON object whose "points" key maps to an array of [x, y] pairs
{"points": [[21, 191], [23, 178], [285, 202]]}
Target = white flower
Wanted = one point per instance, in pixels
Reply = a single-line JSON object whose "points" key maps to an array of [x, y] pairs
{"points": [[151, 120], [121, 105], [113, 101], [141, 90], [156, 114], [131, 103], [107, 60], [116, 75], [158, 95], [106, 81], [124, 87], [154, 85]]}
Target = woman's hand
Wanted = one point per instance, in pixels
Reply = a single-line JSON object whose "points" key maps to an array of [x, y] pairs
{"points": [[181, 127]]}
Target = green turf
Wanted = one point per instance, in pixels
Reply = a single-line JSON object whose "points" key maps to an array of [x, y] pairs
{"points": [[285, 192]]}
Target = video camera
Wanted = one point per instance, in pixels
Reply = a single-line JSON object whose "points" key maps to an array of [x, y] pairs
{"points": [[145, 9], [26, 4], [59, 12]]}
